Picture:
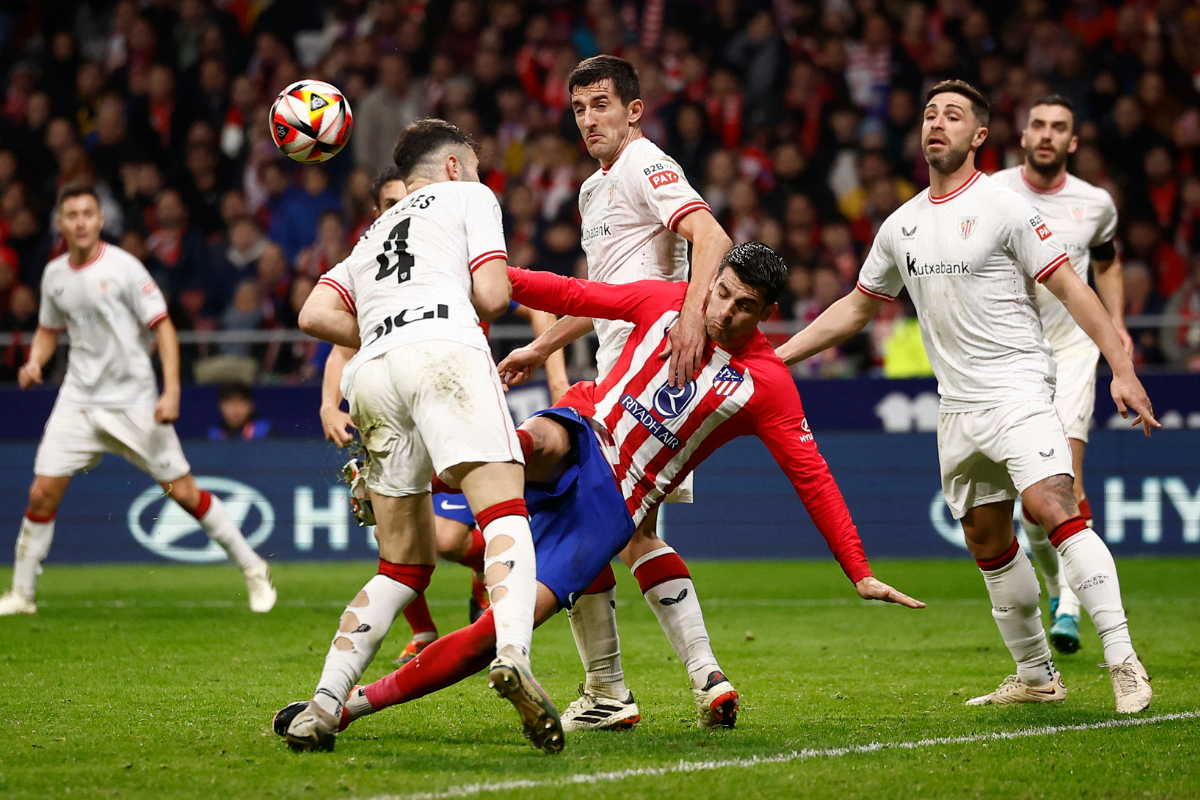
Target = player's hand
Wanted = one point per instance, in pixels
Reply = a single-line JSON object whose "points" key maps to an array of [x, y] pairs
{"points": [[167, 408], [334, 422], [871, 589], [1126, 339], [29, 375], [1127, 393], [685, 348], [518, 367]]}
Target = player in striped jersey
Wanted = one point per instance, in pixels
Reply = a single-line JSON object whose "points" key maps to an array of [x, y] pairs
{"points": [[652, 437]]}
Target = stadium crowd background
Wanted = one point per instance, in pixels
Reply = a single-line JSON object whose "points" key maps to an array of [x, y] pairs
{"points": [[798, 122]]}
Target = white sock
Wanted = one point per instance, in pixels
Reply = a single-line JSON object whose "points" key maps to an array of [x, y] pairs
{"points": [[675, 604], [221, 528], [33, 545], [1013, 589], [594, 626], [1045, 555], [361, 630], [1090, 570], [514, 595]]}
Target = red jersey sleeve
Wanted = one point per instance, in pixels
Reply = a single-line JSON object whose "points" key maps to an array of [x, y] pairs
{"points": [[631, 302], [778, 420]]}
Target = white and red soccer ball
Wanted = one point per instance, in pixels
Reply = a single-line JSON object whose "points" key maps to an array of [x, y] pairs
{"points": [[311, 121]]}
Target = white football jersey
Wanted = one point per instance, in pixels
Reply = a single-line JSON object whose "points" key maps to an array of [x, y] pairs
{"points": [[629, 215], [107, 306], [408, 278], [971, 261], [1082, 216]]}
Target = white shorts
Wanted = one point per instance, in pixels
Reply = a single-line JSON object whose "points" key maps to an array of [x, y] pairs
{"points": [[1075, 390], [430, 406], [77, 437], [996, 453]]}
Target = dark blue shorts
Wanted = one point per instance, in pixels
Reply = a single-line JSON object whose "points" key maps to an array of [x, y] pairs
{"points": [[453, 506], [581, 523]]}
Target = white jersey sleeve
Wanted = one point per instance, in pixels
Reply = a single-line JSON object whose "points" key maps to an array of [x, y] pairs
{"points": [[667, 192], [1031, 244], [1107, 227], [50, 315], [143, 295], [880, 274], [485, 234], [341, 280]]}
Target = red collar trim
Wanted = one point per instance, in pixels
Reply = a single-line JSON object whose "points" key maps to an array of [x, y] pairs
{"points": [[90, 261], [1055, 189], [948, 197]]}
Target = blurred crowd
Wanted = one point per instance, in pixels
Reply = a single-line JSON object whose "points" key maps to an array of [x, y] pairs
{"points": [[797, 120]]}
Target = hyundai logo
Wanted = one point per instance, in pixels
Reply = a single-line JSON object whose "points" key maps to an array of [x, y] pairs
{"points": [[165, 529], [670, 402]]}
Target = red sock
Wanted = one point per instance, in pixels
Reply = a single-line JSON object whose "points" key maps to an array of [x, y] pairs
{"points": [[417, 614], [473, 558], [444, 663], [660, 570], [989, 564], [203, 505], [1085, 509], [1068, 529], [604, 581], [414, 576]]}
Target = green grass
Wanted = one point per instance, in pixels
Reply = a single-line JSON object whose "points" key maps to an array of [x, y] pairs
{"points": [[156, 681]]}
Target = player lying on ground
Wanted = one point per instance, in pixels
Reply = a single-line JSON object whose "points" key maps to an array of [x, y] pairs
{"points": [[581, 519], [108, 402], [425, 397], [970, 252], [458, 537], [639, 214], [1085, 218]]}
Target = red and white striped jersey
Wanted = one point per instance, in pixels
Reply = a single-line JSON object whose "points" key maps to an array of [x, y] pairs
{"points": [[659, 434]]}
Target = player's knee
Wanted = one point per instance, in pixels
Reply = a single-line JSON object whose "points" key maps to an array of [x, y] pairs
{"points": [[43, 499], [184, 492]]}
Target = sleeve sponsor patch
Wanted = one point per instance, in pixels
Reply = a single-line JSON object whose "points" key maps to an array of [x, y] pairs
{"points": [[148, 287], [660, 174], [1043, 232]]}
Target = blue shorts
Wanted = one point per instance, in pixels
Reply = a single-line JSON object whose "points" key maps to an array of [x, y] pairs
{"points": [[453, 506], [581, 522]]}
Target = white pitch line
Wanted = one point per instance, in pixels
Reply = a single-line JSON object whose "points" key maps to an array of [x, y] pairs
{"points": [[472, 789]]}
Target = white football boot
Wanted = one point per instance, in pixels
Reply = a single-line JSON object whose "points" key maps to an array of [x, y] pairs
{"points": [[13, 603], [259, 587], [312, 729], [594, 712], [1131, 685], [510, 679], [716, 703], [1014, 690]]}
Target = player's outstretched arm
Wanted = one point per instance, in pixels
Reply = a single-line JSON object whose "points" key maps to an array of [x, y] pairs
{"points": [[45, 342], [334, 422], [870, 588], [325, 316], [556, 363], [519, 366], [1089, 314], [685, 342], [491, 293], [836, 324], [167, 408], [1110, 287]]}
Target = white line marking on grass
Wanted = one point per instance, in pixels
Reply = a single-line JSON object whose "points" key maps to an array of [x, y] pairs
{"points": [[472, 789]]}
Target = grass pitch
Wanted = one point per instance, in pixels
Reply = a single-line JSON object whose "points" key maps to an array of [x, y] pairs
{"points": [[157, 681]]}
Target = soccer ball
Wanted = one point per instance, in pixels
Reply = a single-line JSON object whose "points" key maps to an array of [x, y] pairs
{"points": [[311, 121]]}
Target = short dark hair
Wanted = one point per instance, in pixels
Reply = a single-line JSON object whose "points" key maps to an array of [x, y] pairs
{"points": [[593, 70], [421, 140], [235, 391], [75, 190], [383, 179], [1056, 100], [759, 266], [980, 106]]}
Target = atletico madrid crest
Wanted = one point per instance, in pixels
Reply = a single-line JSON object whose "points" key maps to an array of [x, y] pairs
{"points": [[966, 226], [727, 381]]}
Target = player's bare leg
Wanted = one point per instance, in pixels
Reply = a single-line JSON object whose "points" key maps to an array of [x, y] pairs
{"points": [[407, 553], [1013, 588], [1090, 571], [210, 512], [33, 543], [1064, 605]]}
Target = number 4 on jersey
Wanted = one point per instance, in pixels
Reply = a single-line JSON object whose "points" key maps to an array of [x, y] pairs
{"points": [[396, 245]]}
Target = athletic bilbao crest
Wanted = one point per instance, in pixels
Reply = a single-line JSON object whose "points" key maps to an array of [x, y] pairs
{"points": [[966, 226], [671, 401], [727, 381], [1077, 213]]}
